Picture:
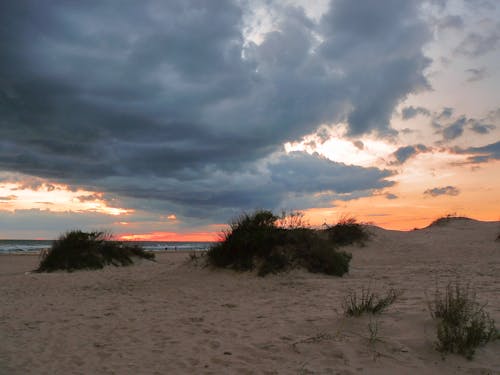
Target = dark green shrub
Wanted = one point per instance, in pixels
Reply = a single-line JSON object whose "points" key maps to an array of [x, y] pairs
{"points": [[257, 241], [347, 231], [324, 258], [462, 323], [368, 302], [81, 250]]}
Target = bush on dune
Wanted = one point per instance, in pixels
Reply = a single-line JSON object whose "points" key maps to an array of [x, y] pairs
{"points": [[347, 231], [81, 250], [261, 241]]}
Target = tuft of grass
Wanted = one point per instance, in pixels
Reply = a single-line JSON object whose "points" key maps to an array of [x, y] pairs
{"points": [[273, 244], [443, 220], [373, 327], [368, 302], [347, 231], [77, 250], [462, 323]]}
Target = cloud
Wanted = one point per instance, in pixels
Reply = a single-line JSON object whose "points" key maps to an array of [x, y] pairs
{"points": [[391, 196], [446, 113], [480, 128], [410, 112], [478, 44], [402, 154], [481, 154], [446, 190], [8, 198], [166, 105], [476, 74], [453, 22], [454, 130]]}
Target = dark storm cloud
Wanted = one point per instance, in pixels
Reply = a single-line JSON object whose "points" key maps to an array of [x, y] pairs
{"points": [[410, 112], [446, 190], [402, 154], [158, 100], [361, 35], [292, 181]]}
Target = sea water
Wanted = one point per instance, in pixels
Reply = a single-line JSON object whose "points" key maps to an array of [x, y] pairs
{"points": [[35, 246]]}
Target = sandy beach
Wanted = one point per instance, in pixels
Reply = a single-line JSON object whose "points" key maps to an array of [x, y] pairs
{"points": [[173, 317]]}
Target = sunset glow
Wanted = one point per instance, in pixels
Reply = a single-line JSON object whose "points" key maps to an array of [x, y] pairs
{"points": [[172, 237]]}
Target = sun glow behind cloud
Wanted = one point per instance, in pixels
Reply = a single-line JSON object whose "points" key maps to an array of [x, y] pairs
{"points": [[54, 198], [334, 145]]}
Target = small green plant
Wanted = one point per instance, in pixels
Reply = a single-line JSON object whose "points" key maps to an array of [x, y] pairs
{"points": [[347, 231], [81, 250], [368, 302], [462, 323]]}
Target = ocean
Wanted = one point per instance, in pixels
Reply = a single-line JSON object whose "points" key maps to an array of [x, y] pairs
{"points": [[35, 246]]}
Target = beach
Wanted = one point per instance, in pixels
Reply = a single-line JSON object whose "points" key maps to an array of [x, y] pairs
{"points": [[173, 316]]}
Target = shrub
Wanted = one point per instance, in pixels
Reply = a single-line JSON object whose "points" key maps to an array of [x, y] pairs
{"points": [[81, 250], [324, 258], [368, 302], [347, 231], [462, 323], [256, 241]]}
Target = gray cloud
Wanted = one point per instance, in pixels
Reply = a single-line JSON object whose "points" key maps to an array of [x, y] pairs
{"points": [[453, 22], [475, 44], [481, 128], [446, 190], [481, 154], [446, 113], [391, 196], [166, 101], [476, 74], [280, 181], [402, 154], [455, 129], [410, 112]]}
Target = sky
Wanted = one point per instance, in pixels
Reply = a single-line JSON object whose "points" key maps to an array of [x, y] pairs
{"points": [[163, 120]]}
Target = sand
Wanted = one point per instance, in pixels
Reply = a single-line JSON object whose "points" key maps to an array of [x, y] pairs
{"points": [[172, 317]]}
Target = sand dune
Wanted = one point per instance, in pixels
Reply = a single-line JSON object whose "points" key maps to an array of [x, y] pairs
{"points": [[174, 317]]}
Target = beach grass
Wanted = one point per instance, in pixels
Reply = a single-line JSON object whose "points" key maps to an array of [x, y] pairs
{"points": [[77, 250], [462, 323], [368, 301]]}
